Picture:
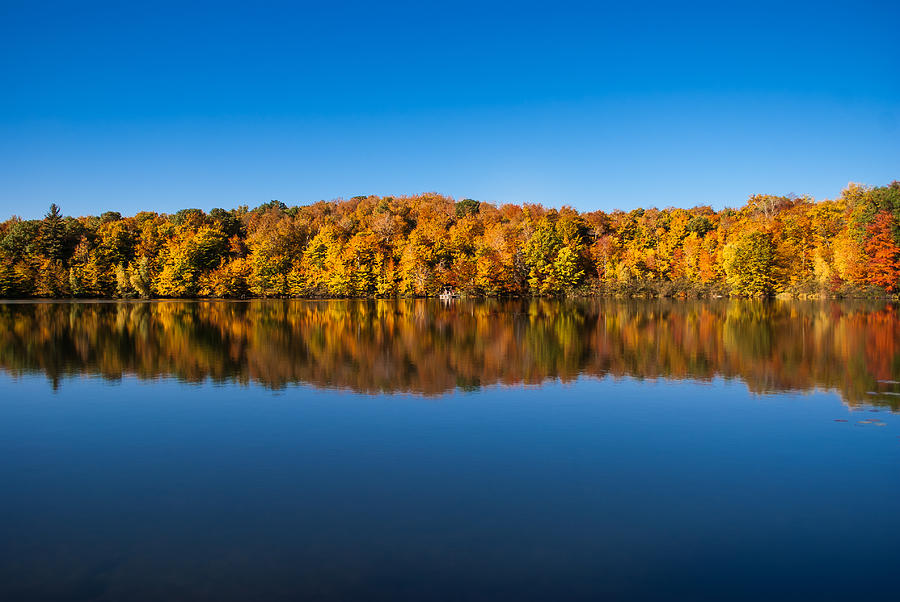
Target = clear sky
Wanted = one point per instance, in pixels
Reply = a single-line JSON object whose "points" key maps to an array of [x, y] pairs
{"points": [[160, 106]]}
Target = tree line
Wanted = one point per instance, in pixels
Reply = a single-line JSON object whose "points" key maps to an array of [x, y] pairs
{"points": [[371, 246]]}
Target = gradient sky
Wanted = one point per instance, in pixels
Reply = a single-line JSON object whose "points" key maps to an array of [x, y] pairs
{"points": [[160, 106]]}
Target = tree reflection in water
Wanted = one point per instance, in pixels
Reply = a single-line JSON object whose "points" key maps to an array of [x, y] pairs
{"points": [[429, 348]]}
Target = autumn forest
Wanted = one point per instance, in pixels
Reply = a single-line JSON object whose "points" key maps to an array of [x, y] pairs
{"points": [[371, 246]]}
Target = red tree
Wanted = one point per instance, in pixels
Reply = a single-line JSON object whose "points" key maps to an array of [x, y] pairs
{"points": [[884, 254]]}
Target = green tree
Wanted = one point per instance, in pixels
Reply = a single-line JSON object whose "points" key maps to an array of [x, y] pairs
{"points": [[52, 234], [466, 207]]}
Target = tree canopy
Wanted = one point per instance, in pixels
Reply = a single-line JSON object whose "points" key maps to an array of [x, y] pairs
{"points": [[371, 246]]}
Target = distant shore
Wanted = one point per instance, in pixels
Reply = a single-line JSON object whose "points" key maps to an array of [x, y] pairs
{"points": [[429, 244]]}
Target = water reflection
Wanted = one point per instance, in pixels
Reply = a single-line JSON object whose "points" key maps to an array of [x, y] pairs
{"points": [[426, 347]]}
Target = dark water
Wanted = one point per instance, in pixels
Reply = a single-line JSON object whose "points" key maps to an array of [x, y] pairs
{"points": [[468, 451]]}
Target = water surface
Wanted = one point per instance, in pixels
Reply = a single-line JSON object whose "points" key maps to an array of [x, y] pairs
{"points": [[294, 450]]}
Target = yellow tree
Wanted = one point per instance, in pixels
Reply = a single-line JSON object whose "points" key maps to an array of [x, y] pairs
{"points": [[749, 264]]}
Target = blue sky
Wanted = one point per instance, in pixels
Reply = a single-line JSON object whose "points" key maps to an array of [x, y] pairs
{"points": [[161, 106]]}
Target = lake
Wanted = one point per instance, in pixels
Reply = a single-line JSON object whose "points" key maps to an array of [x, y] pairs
{"points": [[463, 450]]}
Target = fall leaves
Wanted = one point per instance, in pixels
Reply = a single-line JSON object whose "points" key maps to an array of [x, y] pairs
{"points": [[419, 245], [883, 251]]}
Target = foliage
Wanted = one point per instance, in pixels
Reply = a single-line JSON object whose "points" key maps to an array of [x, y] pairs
{"points": [[748, 265], [372, 246], [883, 251]]}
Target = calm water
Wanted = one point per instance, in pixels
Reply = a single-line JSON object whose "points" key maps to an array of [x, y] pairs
{"points": [[414, 450]]}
